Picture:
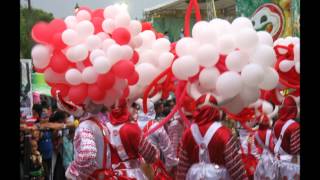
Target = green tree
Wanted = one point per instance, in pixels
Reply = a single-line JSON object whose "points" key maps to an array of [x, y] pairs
{"points": [[28, 18]]}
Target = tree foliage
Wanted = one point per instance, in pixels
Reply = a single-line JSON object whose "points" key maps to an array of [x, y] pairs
{"points": [[27, 20]]}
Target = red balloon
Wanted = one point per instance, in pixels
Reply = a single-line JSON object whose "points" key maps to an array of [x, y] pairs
{"points": [[87, 62], [51, 84], [121, 36], [135, 57], [41, 33], [64, 89], [133, 78], [159, 35], [123, 69], [106, 81], [146, 26], [57, 42], [57, 25], [77, 94], [97, 23], [98, 13], [39, 70], [95, 93], [59, 63]]}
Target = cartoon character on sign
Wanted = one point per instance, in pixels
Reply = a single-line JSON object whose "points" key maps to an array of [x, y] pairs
{"points": [[269, 17]]}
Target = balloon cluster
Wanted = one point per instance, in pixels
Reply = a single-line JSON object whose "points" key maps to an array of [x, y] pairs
{"points": [[231, 61], [92, 54], [288, 61]]}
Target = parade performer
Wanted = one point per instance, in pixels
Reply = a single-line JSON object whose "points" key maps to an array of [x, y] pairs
{"points": [[159, 138], [128, 143], [287, 139], [208, 149], [90, 141]]}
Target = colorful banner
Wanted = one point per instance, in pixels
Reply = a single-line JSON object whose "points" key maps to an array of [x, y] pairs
{"points": [[39, 85], [279, 17], [26, 87]]}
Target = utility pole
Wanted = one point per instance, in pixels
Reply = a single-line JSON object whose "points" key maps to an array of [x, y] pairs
{"points": [[29, 5]]}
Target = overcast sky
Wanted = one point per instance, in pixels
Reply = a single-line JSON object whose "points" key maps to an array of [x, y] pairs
{"points": [[63, 8]]}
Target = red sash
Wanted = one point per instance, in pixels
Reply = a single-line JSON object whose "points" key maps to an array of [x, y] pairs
{"points": [[249, 160]]}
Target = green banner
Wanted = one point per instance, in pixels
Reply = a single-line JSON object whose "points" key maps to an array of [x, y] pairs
{"points": [[279, 17], [39, 84]]}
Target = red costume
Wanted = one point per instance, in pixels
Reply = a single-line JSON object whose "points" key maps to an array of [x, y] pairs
{"points": [[128, 144], [223, 148], [287, 139]]}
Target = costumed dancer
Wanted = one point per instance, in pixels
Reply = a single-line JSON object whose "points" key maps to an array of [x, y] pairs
{"points": [[159, 138], [90, 142], [208, 149], [128, 143], [287, 139]]}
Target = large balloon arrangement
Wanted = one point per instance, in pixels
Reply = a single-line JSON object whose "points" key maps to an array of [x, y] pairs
{"points": [[99, 54]]}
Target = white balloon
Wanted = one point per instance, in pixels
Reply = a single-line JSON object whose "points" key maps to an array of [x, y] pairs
{"points": [[54, 77], [122, 20], [71, 22], [186, 46], [84, 29], [264, 55], [204, 33], [70, 37], [135, 27], [136, 41], [249, 94], [235, 105], [207, 55], [267, 107], [41, 56], [73, 76], [236, 60], [246, 38], [270, 80], [229, 84], [111, 11], [241, 23], [208, 78], [286, 65], [89, 75], [221, 26], [161, 45], [226, 44], [96, 53], [135, 92], [296, 40], [93, 42], [107, 43], [77, 53], [265, 38], [148, 37], [147, 72], [165, 60], [108, 25], [252, 74], [193, 90], [127, 52], [83, 15], [101, 64], [114, 53], [185, 67], [148, 56], [103, 35]]}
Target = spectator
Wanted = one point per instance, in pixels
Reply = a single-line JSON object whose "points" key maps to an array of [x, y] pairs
{"points": [[36, 168], [166, 35]]}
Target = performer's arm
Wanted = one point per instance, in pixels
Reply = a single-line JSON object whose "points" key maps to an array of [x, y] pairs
{"points": [[233, 160], [184, 161], [295, 142], [147, 150], [85, 161], [166, 147]]}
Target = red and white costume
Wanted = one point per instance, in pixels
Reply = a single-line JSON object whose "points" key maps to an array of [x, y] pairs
{"points": [[175, 130], [208, 149], [90, 142], [160, 137], [128, 145], [287, 138]]}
